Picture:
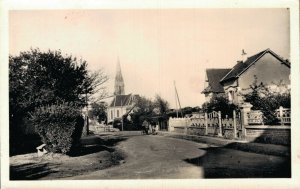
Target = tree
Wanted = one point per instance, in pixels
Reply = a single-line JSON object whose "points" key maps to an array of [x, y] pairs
{"points": [[98, 111], [219, 103], [268, 100], [143, 110], [161, 104], [38, 79], [95, 88]]}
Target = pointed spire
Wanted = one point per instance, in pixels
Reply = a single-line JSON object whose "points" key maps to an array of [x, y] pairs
{"points": [[119, 82]]}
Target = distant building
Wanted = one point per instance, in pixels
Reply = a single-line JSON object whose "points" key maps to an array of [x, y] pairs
{"points": [[121, 104], [266, 66]]}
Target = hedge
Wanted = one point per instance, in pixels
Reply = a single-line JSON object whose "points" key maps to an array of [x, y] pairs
{"points": [[59, 126]]}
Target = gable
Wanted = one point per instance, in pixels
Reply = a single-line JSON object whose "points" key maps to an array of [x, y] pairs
{"points": [[241, 67], [268, 70]]}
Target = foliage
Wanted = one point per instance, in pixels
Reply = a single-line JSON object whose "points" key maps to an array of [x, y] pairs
{"points": [[219, 103], [161, 105], [59, 126], [146, 109], [38, 79], [143, 110], [98, 111], [96, 88], [267, 100]]}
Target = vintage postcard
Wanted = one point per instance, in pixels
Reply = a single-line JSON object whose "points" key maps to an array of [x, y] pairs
{"points": [[165, 94]]}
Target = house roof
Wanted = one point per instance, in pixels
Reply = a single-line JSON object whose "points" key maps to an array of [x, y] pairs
{"points": [[241, 67], [214, 76], [123, 100]]}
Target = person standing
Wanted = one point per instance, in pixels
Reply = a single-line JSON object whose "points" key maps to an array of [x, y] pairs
{"points": [[145, 126]]}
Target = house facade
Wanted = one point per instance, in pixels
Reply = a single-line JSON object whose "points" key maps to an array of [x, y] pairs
{"points": [[265, 67]]}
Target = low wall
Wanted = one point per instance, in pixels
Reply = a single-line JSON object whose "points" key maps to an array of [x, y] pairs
{"points": [[196, 131], [178, 129], [269, 134]]}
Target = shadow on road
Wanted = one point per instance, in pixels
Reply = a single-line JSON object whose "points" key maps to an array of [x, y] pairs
{"points": [[94, 144], [222, 162], [24, 145], [30, 171]]}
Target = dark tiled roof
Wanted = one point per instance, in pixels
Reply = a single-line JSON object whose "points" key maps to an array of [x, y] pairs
{"points": [[123, 100], [214, 76], [240, 67]]}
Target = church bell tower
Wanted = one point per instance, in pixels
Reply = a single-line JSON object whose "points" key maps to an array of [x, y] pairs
{"points": [[119, 82]]}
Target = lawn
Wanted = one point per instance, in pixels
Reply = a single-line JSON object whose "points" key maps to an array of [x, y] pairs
{"points": [[96, 153]]}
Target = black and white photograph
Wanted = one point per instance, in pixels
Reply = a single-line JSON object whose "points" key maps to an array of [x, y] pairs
{"points": [[151, 94]]}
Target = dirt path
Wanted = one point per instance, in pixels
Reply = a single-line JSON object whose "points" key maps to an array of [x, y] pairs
{"points": [[134, 156], [168, 158]]}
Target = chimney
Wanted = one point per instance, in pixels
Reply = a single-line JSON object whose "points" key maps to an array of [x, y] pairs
{"points": [[244, 55]]}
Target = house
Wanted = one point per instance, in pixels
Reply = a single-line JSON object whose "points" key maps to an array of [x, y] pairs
{"points": [[121, 103], [212, 86], [265, 67]]}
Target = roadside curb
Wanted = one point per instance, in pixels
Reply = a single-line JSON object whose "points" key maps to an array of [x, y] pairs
{"points": [[268, 149]]}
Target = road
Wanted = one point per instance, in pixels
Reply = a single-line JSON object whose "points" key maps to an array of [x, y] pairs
{"points": [[159, 157]]}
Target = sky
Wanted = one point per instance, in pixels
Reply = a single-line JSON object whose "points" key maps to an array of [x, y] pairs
{"points": [[155, 46]]}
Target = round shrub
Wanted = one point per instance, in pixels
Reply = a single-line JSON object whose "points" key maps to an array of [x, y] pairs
{"points": [[59, 126]]}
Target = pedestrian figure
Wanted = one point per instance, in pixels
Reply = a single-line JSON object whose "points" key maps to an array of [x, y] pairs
{"points": [[145, 126]]}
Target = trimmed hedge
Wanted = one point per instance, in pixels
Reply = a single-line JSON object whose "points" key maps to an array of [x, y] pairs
{"points": [[59, 126]]}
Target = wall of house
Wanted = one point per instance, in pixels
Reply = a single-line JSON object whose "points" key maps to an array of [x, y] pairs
{"points": [[209, 96], [232, 86], [268, 70]]}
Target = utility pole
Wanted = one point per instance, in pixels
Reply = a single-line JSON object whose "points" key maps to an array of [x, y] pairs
{"points": [[122, 115], [178, 100]]}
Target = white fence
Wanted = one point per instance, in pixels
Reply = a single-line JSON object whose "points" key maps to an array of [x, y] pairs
{"points": [[284, 115], [179, 122]]}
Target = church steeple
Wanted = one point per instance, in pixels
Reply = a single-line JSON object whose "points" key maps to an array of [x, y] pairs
{"points": [[119, 82]]}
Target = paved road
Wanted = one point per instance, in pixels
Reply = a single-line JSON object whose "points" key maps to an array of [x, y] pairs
{"points": [[169, 158]]}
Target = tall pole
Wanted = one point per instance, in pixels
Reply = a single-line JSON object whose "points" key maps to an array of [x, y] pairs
{"points": [[122, 113], [178, 99], [87, 113]]}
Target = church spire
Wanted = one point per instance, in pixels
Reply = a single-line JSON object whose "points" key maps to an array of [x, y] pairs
{"points": [[119, 82]]}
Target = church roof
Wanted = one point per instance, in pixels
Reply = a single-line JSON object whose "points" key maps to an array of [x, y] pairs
{"points": [[123, 100]]}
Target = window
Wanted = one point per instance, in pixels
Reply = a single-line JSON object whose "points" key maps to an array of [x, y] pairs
{"points": [[111, 113], [117, 113], [231, 96]]}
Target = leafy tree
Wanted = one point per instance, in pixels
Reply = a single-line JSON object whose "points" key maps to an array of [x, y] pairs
{"points": [[38, 79], [161, 105], [143, 110], [98, 111], [267, 100], [219, 103]]}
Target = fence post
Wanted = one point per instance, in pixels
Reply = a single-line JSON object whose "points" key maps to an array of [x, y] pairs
{"points": [[220, 123], [186, 127], [234, 125], [281, 115], [206, 125], [245, 108]]}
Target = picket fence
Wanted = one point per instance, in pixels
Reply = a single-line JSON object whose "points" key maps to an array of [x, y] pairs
{"points": [[233, 127]]}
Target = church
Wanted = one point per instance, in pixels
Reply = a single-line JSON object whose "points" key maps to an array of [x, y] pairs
{"points": [[121, 103]]}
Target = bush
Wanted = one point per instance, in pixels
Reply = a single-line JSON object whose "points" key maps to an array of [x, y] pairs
{"points": [[59, 126], [220, 103], [264, 99]]}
